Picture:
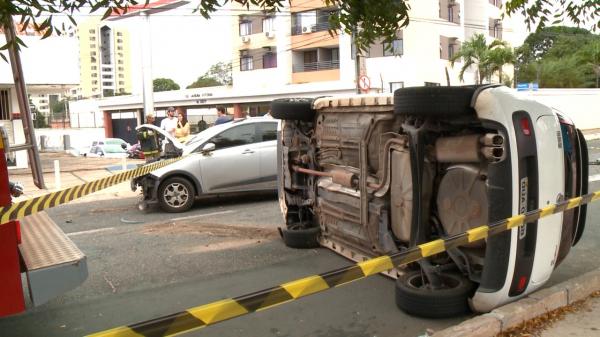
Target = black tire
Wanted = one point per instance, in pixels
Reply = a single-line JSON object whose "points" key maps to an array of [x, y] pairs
{"points": [[300, 237], [176, 195], [434, 101], [415, 299], [299, 109]]}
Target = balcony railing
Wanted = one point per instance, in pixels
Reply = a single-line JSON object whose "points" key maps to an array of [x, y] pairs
{"points": [[316, 66], [299, 29]]}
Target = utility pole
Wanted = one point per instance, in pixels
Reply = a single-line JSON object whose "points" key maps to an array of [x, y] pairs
{"points": [[356, 60]]}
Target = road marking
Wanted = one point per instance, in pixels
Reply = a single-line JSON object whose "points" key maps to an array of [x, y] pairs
{"points": [[202, 215], [595, 177], [91, 231]]}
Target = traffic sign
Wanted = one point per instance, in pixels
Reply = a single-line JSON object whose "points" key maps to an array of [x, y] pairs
{"points": [[364, 83]]}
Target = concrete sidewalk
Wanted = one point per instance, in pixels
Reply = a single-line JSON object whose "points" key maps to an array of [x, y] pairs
{"points": [[75, 171]]}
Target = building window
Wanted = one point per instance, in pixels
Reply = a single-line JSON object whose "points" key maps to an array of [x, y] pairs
{"points": [[121, 83], [94, 75], [119, 47], [119, 41], [450, 51], [92, 31], [93, 53], [432, 84], [121, 76], [92, 38], [397, 48], [120, 61], [94, 68], [108, 77], [245, 27], [107, 84], [450, 13], [4, 104], [121, 69], [246, 63], [268, 24], [395, 86], [94, 82], [92, 46], [120, 54], [495, 27], [119, 34], [270, 60]]}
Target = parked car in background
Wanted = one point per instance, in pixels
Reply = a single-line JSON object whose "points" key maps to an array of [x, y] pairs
{"points": [[375, 175], [109, 147], [229, 158]]}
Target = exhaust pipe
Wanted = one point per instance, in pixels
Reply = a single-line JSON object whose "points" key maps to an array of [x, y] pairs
{"points": [[492, 139], [469, 149]]}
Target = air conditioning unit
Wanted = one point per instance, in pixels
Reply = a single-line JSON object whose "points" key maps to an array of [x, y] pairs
{"points": [[307, 29], [246, 39], [270, 35]]}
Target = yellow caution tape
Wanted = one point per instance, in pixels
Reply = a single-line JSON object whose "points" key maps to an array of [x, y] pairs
{"points": [[199, 317], [24, 208]]}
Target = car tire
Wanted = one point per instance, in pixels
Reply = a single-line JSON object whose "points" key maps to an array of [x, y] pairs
{"points": [[176, 195], [302, 238], [299, 109], [415, 298], [434, 101]]}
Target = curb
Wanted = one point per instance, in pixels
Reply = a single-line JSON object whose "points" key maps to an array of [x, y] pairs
{"points": [[527, 308]]}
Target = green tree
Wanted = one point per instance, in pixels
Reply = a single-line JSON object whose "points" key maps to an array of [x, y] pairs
{"points": [[40, 121], [560, 57], [369, 20], [58, 107], [486, 58], [217, 74], [164, 84]]}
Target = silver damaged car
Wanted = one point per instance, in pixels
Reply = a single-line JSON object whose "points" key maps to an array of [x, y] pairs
{"points": [[229, 158]]}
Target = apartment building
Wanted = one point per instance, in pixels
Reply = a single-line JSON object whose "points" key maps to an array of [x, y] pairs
{"points": [[104, 60], [294, 46]]}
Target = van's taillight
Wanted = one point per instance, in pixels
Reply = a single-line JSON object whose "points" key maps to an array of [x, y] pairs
{"points": [[522, 283], [525, 126]]}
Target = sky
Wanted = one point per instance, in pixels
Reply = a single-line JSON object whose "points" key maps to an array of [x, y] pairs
{"points": [[184, 44]]}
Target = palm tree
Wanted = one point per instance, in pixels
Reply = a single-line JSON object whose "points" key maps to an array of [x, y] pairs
{"points": [[499, 54], [472, 52], [487, 58]]}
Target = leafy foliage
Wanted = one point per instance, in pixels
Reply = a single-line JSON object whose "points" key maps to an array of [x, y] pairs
{"points": [[218, 74], [539, 13], [368, 20], [164, 84], [487, 58], [560, 57]]}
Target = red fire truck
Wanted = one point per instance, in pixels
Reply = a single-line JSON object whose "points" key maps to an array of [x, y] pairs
{"points": [[38, 262]]}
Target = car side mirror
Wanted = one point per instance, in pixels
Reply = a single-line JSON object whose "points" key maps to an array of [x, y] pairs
{"points": [[208, 148], [123, 146]]}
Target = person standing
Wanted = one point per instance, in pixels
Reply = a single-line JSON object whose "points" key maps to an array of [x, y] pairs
{"points": [[149, 141], [183, 129], [169, 124], [222, 116]]}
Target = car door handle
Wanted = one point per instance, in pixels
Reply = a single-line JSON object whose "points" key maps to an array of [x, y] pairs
{"points": [[247, 151]]}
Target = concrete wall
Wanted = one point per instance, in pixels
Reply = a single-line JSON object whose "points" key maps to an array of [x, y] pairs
{"points": [[79, 138], [581, 105], [85, 114]]}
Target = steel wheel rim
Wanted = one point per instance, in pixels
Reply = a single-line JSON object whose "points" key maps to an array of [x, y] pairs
{"points": [[176, 195]]}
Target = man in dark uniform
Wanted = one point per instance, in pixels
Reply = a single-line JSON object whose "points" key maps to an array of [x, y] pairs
{"points": [[149, 141]]}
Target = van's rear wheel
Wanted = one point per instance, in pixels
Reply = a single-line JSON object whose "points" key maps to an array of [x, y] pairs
{"points": [[298, 237], [416, 297], [299, 109]]}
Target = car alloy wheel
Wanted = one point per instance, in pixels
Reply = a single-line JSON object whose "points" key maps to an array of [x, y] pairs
{"points": [[176, 194]]}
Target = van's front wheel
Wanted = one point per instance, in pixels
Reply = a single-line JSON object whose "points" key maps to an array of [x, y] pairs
{"points": [[415, 296]]}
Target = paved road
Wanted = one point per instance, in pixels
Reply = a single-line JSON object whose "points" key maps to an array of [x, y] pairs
{"points": [[141, 266]]}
